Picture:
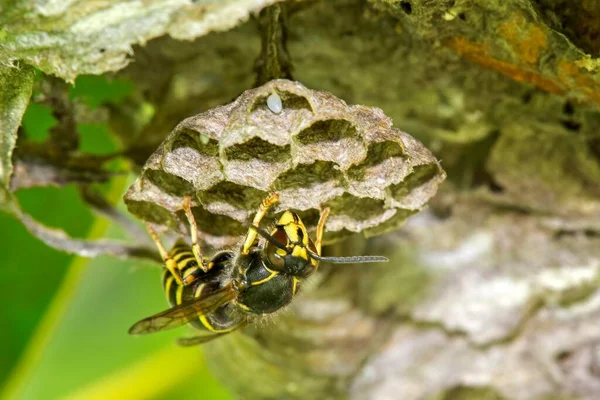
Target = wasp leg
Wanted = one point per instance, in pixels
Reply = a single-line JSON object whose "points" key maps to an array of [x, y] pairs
{"points": [[196, 340], [266, 204], [170, 264], [321, 229], [187, 207]]}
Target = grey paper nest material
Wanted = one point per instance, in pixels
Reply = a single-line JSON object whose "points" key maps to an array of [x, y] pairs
{"points": [[316, 152]]}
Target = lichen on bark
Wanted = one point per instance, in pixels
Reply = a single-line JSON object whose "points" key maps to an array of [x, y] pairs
{"points": [[493, 291], [16, 83]]}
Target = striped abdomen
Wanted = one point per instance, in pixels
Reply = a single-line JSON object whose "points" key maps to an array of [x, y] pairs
{"points": [[221, 320]]}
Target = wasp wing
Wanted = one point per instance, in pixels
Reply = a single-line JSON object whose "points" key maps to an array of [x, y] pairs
{"points": [[196, 340], [185, 312]]}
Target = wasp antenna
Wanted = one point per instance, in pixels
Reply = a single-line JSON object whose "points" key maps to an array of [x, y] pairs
{"points": [[268, 237], [348, 260]]}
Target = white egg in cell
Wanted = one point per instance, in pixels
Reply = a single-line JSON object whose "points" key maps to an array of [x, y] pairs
{"points": [[274, 103]]}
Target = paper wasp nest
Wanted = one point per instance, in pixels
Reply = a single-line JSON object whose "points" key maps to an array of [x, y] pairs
{"points": [[314, 150]]}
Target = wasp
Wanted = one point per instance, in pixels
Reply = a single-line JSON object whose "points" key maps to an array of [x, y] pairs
{"points": [[227, 291]]}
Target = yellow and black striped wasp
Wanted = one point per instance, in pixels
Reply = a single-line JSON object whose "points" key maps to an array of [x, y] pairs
{"points": [[223, 293]]}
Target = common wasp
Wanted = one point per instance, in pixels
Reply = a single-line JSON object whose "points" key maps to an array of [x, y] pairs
{"points": [[229, 290]]}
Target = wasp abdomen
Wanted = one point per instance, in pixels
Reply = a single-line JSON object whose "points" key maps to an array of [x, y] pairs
{"points": [[268, 297], [267, 291], [220, 320]]}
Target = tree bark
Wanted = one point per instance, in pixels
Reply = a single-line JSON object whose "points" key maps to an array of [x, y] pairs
{"points": [[493, 291]]}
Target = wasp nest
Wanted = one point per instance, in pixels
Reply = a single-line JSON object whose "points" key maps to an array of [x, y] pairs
{"points": [[308, 146]]}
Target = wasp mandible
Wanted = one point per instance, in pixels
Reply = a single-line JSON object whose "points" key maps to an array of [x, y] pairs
{"points": [[226, 292]]}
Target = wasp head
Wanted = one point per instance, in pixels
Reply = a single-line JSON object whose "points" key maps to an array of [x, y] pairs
{"points": [[288, 252]]}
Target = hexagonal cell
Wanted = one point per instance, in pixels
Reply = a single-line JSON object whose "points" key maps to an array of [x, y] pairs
{"points": [[151, 212], [169, 183], [335, 140], [377, 153], [392, 223], [359, 208], [190, 138], [254, 173], [334, 236], [306, 175], [253, 116], [213, 224], [193, 157], [224, 208], [330, 130], [308, 185], [290, 101], [187, 163], [259, 149], [181, 161], [341, 221], [421, 177], [386, 164], [240, 197], [145, 190], [255, 163], [375, 125], [209, 123]]}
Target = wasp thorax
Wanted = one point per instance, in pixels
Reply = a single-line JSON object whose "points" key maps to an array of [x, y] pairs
{"points": [[289, 250]]}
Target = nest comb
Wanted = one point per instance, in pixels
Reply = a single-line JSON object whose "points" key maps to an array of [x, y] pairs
{"points": [[313, 149]]}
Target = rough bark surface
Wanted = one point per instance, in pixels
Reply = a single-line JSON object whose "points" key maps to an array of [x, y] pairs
{"points": [[492, 293]]}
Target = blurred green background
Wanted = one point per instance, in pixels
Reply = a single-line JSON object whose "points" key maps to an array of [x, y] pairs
{"points": [[65, 318]]}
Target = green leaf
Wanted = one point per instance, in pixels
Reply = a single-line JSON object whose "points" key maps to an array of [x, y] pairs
{"points": [[98, 90], [37, 122], [16, 84], [81, 349]]}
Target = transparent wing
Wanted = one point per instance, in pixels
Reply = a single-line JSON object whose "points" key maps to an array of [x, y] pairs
{"points": [[196, 340], [185, 312]]}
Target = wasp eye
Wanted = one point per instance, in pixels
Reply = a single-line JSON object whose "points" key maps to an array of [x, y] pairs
{"points": [[275, 254]]}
